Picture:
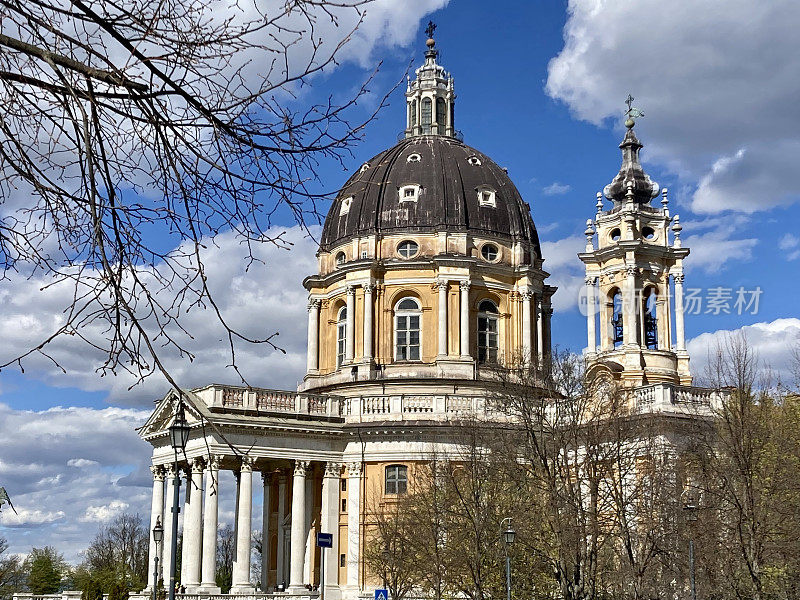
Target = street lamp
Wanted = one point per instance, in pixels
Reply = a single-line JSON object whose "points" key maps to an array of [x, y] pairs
{"points": [[690, 510], [178, 437], [508, 535], [158, 536]]}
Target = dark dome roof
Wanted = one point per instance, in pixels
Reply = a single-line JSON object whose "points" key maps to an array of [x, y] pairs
{"points": [[449, 177]]}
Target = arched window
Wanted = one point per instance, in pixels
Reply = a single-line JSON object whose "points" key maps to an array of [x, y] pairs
{"points": [[341, 335], [487, 332], [650, 318], [616, 318], [426, 115], [441, 114], [340, 256], [407, 317], [396, 479]]}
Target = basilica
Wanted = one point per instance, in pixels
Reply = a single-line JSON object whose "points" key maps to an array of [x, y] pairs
{"points": [[430, 274]]}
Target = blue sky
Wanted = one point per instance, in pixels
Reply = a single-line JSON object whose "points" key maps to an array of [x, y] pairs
{"points": [[540, 89]]}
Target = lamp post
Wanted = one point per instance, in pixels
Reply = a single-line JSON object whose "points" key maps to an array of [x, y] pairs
{"points": [[178, 437], [508, 536], [158, 536], [690, 510]]}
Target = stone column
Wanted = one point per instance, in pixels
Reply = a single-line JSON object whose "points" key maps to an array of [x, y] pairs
{"points": [[539, 327], [680, 335], [353, 523], [350, 325], [591, 318], [308, 575], [298, 540], [266, 479], [368, 289], [169, 516], [193, 527], [464, 286], [329, 523], [547, 313], [442, 285], [312, 361], [187, 525], [629, 307], [526, 326], [208, 583], [156, 514], [241, 565], [281, 571]]}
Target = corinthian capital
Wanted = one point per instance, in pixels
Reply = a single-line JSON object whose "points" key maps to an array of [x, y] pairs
{"points": [[354, 469], [333, 469], [158, 471], [301, 467]]}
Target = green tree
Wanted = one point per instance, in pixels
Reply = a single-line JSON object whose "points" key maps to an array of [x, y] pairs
{"points": [[45, 569], [12, 577]]}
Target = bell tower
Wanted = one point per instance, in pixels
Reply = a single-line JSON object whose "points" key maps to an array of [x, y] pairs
{"points": [[630, 265], [430, 99]]}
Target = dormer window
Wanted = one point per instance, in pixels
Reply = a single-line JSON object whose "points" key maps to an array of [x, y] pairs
{"points": [[364, 167], [486, 197], [340, 259], [413, 158], [345, 206], [409, 193], [474, 160]]}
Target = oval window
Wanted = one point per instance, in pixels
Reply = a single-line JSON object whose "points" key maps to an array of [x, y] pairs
{"points": [[407, 249], [649, 233], [340, 258], [615, 235], [414, 158], [489, 252]]}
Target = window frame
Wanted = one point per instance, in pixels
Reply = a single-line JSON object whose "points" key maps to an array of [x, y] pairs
{"points": [[489, 317], [395, 475], [404, 196], [406, 313], [345, 207], [341, 335], [340, 258], [486, 246], [487, 196], [410, 256]]}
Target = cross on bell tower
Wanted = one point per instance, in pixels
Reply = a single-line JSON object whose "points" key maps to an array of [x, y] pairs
{"points": [[430, 98], [632, 268]]}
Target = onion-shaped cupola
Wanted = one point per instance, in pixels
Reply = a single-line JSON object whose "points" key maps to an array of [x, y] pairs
{"points": [[631, 177]]}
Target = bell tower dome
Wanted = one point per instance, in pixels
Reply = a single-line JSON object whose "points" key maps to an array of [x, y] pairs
{"points": [[430, 99], [630, 261]]}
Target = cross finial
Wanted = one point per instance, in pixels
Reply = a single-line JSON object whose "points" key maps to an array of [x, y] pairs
{"points": [[430, 29], [629, 101], [632, 112]]}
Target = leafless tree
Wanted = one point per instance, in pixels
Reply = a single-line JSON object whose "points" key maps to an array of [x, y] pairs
{"points": [[118, 552], [132, 133]]}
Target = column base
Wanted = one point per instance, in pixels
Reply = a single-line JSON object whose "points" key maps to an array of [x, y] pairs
{"points": [[244, 588], [207, 588]]}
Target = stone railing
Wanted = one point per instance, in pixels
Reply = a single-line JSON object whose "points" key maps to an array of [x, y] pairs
{"points": [[412, 407], [665, 397], [259, 400]]}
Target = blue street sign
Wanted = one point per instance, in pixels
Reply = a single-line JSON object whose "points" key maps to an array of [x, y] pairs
{"points": [[381, 594], [325, 540]]}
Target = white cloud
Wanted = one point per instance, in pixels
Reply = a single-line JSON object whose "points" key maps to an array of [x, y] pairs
{"points": [[25, 517], [717, 81], [566, 270], [556, 189], [712, 250], [772, 342], [790, 244], [81, 463], [105, 512], [259, 299]]}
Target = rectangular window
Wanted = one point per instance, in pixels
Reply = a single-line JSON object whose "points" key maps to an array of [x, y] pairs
{"points": [[342, 559], [396, 479], [344, 485], [344, 504]]}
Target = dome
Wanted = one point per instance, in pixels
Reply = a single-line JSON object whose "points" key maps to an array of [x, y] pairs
{"points": [[430, 183]]}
